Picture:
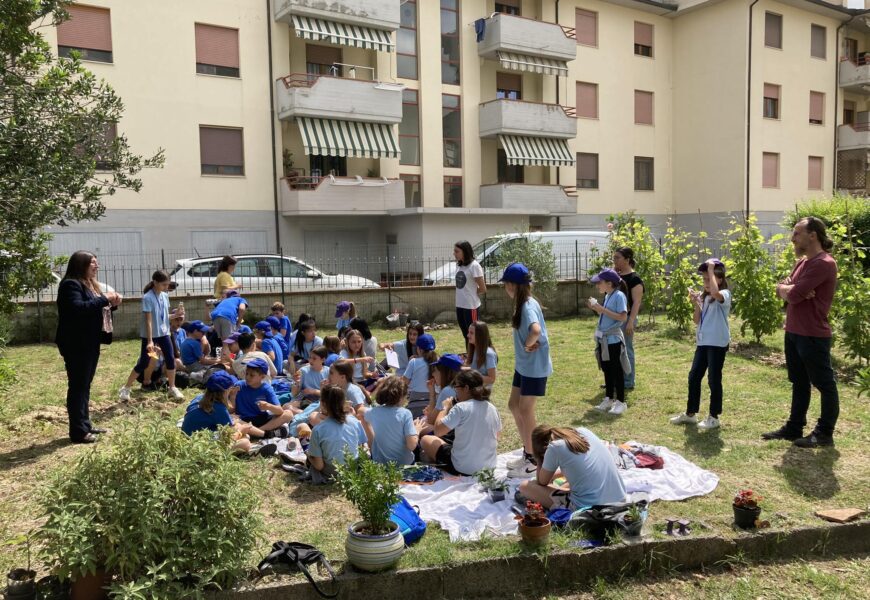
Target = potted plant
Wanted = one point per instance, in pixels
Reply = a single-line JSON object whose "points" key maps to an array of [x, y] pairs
{"points": [[21, 583], [746, 509], [631, 521], [374, 543], [489, 483], [151, 513], [534, 525]]}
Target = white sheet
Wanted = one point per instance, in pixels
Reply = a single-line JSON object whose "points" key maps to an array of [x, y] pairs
{"points": [[466, 513]]}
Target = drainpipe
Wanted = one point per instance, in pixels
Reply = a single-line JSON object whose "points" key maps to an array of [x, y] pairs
{"points": [[558, 178], [749, 109], [272, 120], [836, 99]]}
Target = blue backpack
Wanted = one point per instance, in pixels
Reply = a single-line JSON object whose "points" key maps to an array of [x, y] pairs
{"points": [[408, 519]]}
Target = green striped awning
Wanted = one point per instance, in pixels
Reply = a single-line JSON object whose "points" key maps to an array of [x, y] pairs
{"points": [[330, 137], [343, 33], [547, 152], [533, 64]]}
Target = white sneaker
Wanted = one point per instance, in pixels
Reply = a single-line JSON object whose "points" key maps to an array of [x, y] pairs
{"points": [[709, 423], [683, 418], [124, 394], [525, 469], [605, 405], [175, 393], [618, 408]]}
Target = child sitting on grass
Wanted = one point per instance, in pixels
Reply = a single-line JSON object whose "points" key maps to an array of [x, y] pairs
{"points": [[263, 330], [210, 411], [284, 321], [305, 340], [333, 344], [309, 378], [417, 375], [392, 426], [354, 354], [275, 322], [345, 312], [444, 373], [257, 403], [248, 352], [195, 350], [337, 434]]}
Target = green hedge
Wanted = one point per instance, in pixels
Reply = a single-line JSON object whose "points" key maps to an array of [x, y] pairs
{"points": [[838, 209]]}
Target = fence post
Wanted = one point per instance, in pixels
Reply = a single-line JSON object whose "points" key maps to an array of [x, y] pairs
{"points": [[576, 277], [38, 318], [389, 283], [162, 259], [281, 254]]}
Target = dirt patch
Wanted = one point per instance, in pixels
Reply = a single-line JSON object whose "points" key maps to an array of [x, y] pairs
{"points": [[758, 352]]}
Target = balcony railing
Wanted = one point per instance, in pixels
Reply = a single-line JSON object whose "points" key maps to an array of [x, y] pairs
{"points": [[548, 199], [522, 117], [381, 14], [346, 98], [530, 37], [855, 76], [853, 136], [325, 195]]}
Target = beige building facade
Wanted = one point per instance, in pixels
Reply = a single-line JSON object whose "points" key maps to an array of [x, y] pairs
{"points": [[328, 128]]}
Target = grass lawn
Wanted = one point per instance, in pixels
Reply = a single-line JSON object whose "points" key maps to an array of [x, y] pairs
{"points": [[794, 482]]}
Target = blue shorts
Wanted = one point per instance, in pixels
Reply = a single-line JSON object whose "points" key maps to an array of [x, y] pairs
{"points": [[530, 386]]}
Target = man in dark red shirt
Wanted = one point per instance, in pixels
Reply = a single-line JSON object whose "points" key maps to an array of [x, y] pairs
{"points": [[808, 293]]}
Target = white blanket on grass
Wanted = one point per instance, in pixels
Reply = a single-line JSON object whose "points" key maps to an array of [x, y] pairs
{"points": [[466, 513]]}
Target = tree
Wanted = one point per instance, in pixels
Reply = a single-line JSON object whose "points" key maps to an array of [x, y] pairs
{"points": [[538, 256], [681, 255], [55, 119]]}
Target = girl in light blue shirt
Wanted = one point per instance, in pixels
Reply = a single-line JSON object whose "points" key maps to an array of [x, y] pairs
{"points": [[481, 355], [610, 339]]}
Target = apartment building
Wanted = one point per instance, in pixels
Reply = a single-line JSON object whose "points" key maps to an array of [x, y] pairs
{"points": [[329, 127]]}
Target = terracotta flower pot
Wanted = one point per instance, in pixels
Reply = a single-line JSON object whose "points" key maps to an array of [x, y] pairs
{"points": [[535, 535], [745, 518], [91, 586], [373, 552]]}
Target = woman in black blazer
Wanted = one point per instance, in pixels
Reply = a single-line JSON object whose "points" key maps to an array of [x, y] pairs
{"points": [[80, 304]]}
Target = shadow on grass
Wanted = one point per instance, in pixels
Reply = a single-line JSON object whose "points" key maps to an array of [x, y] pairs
{"points": [[15, 458], [703, 443], [811, 472]]}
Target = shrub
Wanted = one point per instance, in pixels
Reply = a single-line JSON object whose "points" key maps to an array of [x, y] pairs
{"points": [[7, 374], [371, 487], [681, 256], [851, 309], [839, 208], [537, 255], [168, 515]]}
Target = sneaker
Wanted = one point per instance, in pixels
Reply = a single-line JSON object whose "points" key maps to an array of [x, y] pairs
{"points": [[175, 393], [280, 432], [124, 394], [524, 469], [683, 418], [709, 423], [814, 440], [618, 408], [783, 433], [605, 405], [149, 387], [518, 462]]}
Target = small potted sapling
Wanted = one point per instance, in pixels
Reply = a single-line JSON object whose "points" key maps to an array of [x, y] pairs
{"points": [[632, 521], [21, 583], [534, 526], [746, 509], [496, 487]]}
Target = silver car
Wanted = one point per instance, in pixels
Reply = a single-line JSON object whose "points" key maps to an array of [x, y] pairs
{"points": [[261, 273]]}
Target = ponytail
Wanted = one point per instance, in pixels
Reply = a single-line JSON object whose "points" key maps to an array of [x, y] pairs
{"points": [[544, 434], [474, 382], [817, 226], [156, 277], [524, 292]]}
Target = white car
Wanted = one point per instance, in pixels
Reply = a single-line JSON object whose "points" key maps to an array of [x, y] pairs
{"points": [[49, 292], [260, 273]]}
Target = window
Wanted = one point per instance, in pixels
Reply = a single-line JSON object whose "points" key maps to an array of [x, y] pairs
{"points": [[814, 173], [409, 129], [103, 159], [88, 32], [643, 107], [849, 109], [247, 267], [817, 108], [450, 41], [587, 100], [772, 30], [220, 151], [587, 171], [451, 123], [276, 267], [453, 192], [508, 173], [818, 41], [413, 190], [509, 85], [406, 47], [206, 269], [770, 170], [217, 50], [771, 101], [586, 27], [508, 7], [644, 168], [850, 50], [643, 39], [319, 60]]}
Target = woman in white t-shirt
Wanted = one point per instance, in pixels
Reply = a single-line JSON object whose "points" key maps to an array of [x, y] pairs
{"points": [[470, 286]]}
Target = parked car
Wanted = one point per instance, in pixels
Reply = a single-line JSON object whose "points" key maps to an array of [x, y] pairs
{"points": [[260, 272], [572, 251], [49, 292]]}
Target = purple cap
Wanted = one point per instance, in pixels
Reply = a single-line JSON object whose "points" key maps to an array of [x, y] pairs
{"points": [[607, 275], [231, 293], [702, 268], [341, 308], [232, 339]]}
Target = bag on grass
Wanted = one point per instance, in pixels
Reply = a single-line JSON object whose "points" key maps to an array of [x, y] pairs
{"points": [[298, 557], [603, 519], [408, 519]]}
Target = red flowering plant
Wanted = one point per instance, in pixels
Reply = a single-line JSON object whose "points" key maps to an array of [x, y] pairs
{"points": [[747, 499], [535, 515]]}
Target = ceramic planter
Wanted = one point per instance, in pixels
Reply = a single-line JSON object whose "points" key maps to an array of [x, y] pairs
{"points": [[91, 586], [745, 518], [373, 552], [535, 535], [20, 584]]}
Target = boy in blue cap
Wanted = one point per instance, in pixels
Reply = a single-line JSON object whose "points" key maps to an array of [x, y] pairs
{"points": [[257, 403], [263, 331], [194, 350], [275, 322]]}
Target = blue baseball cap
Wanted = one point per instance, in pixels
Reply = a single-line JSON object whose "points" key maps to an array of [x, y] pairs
{"points": [[606, 275], [329, 360], [702, 268], [264, 326], [220, 381], [341, 308], [516, 273], [451, 361], [196, 326], [426, 342], [245, 329], [258, 364], [275, 322]]}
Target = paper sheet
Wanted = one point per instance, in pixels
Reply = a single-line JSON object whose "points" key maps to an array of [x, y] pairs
{"points": [[392, 358]]}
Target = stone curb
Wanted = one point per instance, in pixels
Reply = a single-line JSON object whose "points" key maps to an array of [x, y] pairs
{"points": [[533, 576]]}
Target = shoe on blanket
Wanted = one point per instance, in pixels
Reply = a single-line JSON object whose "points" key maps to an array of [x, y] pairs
{"points": [[683, 418], [524, 469], [605, 405], [709, 423], [618, 408]]}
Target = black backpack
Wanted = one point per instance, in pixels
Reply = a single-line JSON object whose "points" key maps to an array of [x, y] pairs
{"points": [[603, 519], [298, 557]]}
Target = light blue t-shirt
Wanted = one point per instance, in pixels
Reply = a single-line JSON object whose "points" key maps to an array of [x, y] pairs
{"points": [[191, 351], [307, 347], [309, 378], [445, 393], [537, 363], [391, 424], [617, 302], [401, 350], [329, 439], [491, 362], [713, 329], [228, 309], [158, 306], [357, 366], [354, 395], [417, 373], [592, 475]]}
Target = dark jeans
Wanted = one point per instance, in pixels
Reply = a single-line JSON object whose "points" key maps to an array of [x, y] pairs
{"points": [[808, 360], [165, 345], [709, 360], [614, 379], [465, 317], [81, 364]]}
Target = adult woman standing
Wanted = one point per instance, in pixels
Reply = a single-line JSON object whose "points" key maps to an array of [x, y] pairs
{"points": [[623, 263], [224, 280], [81, 312], [470, 286]]}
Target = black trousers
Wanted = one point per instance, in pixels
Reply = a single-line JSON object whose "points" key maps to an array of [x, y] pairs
{"points": [[81, 364], [808, 360], [614, 379], [465, 317], [709, 360]]}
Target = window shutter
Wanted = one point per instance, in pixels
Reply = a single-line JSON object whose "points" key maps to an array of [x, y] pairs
{"points": [[771, 91], [221, 146], [587, 100], [322, 55], [817, 106], [509, 81], [217, 46], [587, 166], [586, 27], [814, 173], [643, 107], [772, 30], [770, 170], [643, 34], [88, 27], [818, 41]]}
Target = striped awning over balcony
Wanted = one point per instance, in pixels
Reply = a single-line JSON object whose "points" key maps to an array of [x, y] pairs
{"points": [[331, 137], [343, 33], [531, 151], [533, 64]]}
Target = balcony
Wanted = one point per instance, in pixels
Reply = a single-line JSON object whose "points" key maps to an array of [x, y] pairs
{"points": [[855, 77], [528, 45], [325, 97], [341, 196], [379, 14], [552, 198], [850, 137], [517, 117]]}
